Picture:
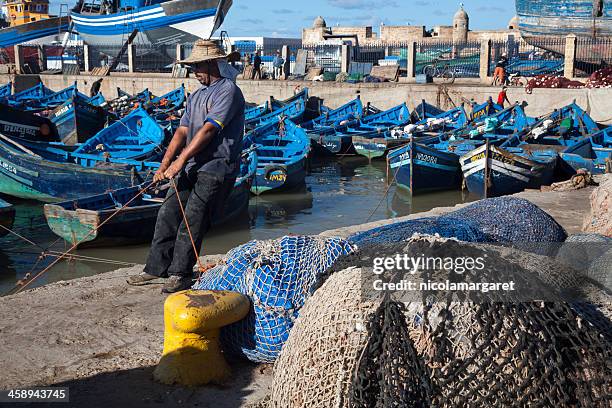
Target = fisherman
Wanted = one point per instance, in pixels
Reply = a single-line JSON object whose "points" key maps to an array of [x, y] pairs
{"points": [[503, 97], [278, 63], [499, 76], [201, 162], [257, 66]]}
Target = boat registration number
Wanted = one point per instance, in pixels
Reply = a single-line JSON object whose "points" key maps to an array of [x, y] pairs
{"points": [[426, 158], [9, 128], [8, 167], [277, 177], [63, 110]]}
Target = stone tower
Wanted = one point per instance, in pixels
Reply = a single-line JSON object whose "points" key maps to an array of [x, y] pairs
{"points": [[461, 26]]}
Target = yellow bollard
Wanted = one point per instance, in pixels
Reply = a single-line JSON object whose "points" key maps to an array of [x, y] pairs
{"points": [[193, 319]]}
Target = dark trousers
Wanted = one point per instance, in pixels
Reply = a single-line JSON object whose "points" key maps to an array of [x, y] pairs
{"points": [[257, 73], [201, 194]]}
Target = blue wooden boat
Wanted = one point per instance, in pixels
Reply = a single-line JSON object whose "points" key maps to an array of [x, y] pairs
{"points": [[256, 111], [432, 163], [97, 100], [293, 111], [322, 129], [7, 217], [26, 125], [276, 104], [593, 153], [282, 149], [562, 127], [53, 100], [348, 112], [485, 109], [169, 101], [491, 171], [142, 96], [136, 136], [339, 141], [77, 120], [375, 139], [49, 172], [74, 220], [6, 90], [425, 110], [38, 91]]}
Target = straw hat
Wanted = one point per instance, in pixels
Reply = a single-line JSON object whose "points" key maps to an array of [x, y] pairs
{"points": [[204, 50]]}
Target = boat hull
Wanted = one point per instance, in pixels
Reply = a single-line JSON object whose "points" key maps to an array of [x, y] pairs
{"points": [[132, 225], [77, 120], [332, 145], [509, 173], [419, 168], [167, 23], [35, 30], [26, 125], [375, 147], [559, 18], [275, 178], [25, 176]]}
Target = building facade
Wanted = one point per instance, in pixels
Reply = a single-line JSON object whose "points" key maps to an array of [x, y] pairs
{"points": [[458, 32]]}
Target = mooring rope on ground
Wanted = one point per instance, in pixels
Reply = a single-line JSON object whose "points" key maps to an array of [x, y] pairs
{"points": [[22, 285]]}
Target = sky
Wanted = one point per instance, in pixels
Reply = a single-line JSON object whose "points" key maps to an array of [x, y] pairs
{"points": [[275, 18]]}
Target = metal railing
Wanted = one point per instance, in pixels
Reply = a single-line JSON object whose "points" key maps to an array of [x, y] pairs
{"points": [[443, 58], [154, 58], [539, 57], [326, 56], [592, 54]]}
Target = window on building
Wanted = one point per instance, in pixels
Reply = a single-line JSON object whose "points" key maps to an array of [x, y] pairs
{"points": [[27, 7], [33, 19]]}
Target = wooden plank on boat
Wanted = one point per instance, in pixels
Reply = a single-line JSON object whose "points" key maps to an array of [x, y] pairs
{"points": [[389, 72]]}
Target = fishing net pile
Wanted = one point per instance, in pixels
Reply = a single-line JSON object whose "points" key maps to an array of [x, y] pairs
{"points": [[600, 219], [354, 348], [551, 81], [496, 220], [277, 276], [600, 79]]}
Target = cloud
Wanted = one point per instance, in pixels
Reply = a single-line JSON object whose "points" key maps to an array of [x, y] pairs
{"points": [[493, 9], [283, 11], [362, 4], [251, 21]]}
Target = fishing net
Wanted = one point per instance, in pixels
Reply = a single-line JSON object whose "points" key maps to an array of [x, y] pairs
{"points": [[500, 220], [580, 250], [600, 270], [350, 348], [600, 218], [277, 276]]}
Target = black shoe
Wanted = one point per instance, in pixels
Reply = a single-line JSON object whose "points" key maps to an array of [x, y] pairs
{"points": [[144, 279], [177, 283]]}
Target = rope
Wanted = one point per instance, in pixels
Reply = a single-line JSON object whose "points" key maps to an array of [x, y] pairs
{"points": [[201, 268], [384, 197], [22, 285]]}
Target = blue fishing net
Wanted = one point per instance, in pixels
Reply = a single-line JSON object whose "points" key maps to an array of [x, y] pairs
{"points": [[277, 276], [403, 231], [510, 219], [495, 220]]}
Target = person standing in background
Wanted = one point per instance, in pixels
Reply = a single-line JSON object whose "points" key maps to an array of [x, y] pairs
{"points": [[257, 66], [278, 64]]}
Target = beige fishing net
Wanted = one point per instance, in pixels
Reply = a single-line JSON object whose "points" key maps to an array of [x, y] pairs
{"points": [[350, 348]]}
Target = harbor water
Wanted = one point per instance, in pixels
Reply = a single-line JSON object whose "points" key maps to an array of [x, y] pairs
{"points": [[337, 193]]}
